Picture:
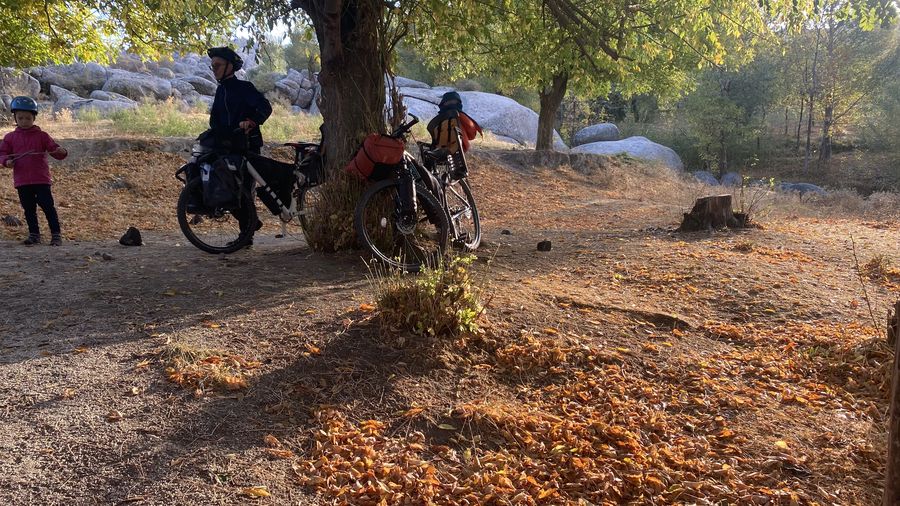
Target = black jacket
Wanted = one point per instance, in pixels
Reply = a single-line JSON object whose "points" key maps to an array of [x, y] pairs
{"points": [[236, 101]]}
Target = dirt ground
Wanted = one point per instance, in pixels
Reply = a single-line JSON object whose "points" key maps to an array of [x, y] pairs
{"points": [[745, 366]]}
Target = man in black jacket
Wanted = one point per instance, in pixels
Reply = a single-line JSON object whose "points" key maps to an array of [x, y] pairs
{"points": [[237, 105]]}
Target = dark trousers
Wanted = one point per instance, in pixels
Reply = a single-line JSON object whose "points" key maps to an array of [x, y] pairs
{"points": [[33, 195], [246, 215]]}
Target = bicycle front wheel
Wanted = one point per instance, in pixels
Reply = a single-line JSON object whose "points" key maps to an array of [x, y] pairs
{"points": [[463, 215], [211, 230], [407, 243]]}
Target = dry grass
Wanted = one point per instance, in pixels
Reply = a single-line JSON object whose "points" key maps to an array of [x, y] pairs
{"points": [[203, 370]]}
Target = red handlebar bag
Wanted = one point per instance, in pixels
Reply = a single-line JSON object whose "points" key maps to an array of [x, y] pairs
{"points": [[376, 149]]}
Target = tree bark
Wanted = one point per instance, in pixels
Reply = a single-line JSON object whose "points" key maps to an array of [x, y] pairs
{"points": [[800, 121], [892, 472], [352, 74], [827, 122], [812, 94], [711, 212], [551, 98]]}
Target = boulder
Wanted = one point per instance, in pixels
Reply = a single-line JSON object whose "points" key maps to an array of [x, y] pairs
{"points": [[65, 99], [14, 82], [183, 87], [501, 115], [403, 82], [201, 84], [596, 133], [163, 72], [802, 188], [81, 78], [731, 179], [636, 147], [138, 86], [705, 178], [110, 96]]}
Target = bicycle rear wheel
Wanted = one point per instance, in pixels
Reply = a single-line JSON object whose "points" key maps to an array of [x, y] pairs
{"points": [[309, 200], [463, 215], [407, 244], [211, 230]]}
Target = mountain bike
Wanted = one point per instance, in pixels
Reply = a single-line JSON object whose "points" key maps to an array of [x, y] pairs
{"points": [[292, 194], [399, 219], [454, 193]]}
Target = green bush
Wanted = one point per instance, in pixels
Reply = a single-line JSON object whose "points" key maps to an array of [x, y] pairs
{"points": [[439, 302]]}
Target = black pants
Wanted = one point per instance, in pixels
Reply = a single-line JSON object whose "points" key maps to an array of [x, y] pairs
{"points": [[246, 215], [33, 195]]}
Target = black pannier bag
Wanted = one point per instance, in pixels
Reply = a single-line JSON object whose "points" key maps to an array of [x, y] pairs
{"points": [[280, 178], [221, 187]]}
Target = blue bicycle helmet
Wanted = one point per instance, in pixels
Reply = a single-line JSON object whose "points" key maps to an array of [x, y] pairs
{"points": [[23, 104], [227, 54]]}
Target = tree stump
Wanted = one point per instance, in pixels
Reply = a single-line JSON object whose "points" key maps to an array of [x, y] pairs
{"points": [[712, 212], [892, 473]]}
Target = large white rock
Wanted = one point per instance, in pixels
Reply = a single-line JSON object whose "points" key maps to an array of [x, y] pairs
{"points": [[137, 86], [77, 77], [67, 100], [403, 82], [201, 84], [636, 147], [14, 82], [596, 133], [501, 115], [110, 96]]}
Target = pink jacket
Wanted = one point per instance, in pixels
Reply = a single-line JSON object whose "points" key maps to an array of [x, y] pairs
{"points": [[30, 168]]}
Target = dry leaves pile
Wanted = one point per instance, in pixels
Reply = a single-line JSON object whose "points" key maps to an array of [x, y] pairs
{"points": [[589, 425], [204, 370]]}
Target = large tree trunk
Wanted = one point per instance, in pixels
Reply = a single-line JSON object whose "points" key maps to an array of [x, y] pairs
{"points": [[352, 75], [892, 474], [551, 97]]}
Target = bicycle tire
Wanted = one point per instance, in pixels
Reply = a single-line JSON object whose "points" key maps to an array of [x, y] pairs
{"points": [[190, 226], [464, 204], [308, 201], [376, 220]]}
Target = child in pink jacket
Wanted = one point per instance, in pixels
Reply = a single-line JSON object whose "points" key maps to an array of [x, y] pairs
{"points": [[24, 150]]}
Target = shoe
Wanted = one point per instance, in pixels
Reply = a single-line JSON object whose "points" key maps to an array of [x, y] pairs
{"points": [[258, 225], [56, 240], [32, 239], [231, 243]]}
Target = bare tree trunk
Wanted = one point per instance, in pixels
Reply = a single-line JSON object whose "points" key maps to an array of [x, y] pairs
{"points": [[812, 95], [550, 99], [352, 75], [785, 122], [800, 121], [892, 474], [825, 145], [828, 120]]}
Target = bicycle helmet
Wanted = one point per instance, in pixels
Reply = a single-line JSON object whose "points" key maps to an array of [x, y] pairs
{"points": [[451, 100], [227, 54], [23, 104]]}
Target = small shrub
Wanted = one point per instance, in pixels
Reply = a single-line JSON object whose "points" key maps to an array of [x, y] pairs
{"points": [[283, 125], [331, 219], [879, 267], [164, 119], [442, 301], [89, 115]]}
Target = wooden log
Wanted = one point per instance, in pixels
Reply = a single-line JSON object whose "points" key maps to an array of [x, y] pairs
{"points": [[710, 212], [892, 472]]}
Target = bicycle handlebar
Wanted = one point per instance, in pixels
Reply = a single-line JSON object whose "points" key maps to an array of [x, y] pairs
{"points": [[404, 128]]}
